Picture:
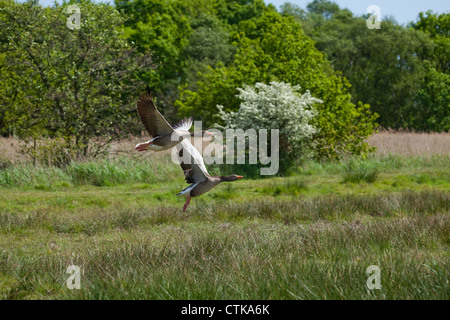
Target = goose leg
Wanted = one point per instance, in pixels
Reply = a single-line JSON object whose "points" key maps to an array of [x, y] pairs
{"points": [[186, 204]]}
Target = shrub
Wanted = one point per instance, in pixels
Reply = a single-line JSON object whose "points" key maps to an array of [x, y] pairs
{"points": [[277, 106]]}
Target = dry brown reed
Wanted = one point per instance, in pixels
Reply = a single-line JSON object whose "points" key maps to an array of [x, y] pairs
{"points": [[407, 143]]}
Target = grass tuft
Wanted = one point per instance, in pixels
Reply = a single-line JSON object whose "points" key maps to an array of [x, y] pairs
{"points": [[356, 171], [292, 187]]}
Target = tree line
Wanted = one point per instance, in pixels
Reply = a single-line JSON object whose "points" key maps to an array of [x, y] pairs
{"points": [[402, 72], [79, 87]]}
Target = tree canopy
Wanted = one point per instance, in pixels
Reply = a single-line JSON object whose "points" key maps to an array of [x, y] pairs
{"points": [[274, 48], [79, 87], [386, 67], [74, 85]]}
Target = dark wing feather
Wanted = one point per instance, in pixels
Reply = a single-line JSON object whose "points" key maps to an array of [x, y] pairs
{"points": [[192, 172], [187, 169], [154, 122]]}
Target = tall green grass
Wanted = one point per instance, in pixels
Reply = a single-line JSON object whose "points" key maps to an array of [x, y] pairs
{"points": [[129, 170], [382, 164], [97, 172], [244, 240], [293, 210], [239, 261]]}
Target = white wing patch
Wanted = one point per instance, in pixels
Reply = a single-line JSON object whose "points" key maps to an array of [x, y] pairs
{"points": [[184, 125], [186, 192]]}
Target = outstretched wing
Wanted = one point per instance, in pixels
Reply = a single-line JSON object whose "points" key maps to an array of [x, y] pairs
{"points": [[194, 168], [154, 122]]}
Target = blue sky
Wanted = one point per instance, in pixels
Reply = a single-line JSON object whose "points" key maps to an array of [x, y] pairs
{"points": [[403, 11]]}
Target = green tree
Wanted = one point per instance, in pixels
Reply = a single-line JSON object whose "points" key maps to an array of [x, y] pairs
{"points": [[293, 10], [386, 67], [383, 65], [274, 48], [234, 12], [77, 86], [209, 44], [185, 38], [437, 26], [161, 27], [324, 8], [433, 99]]}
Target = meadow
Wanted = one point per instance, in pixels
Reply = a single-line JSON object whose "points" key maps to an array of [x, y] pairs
{"points": [[311, 235]]}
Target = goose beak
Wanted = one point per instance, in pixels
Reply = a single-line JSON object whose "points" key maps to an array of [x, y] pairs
{"points": [[240, 177], [142, 146]]}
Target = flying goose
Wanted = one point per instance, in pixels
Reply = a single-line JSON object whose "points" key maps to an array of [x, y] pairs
{"points": [[161, 132], [196, 174]]}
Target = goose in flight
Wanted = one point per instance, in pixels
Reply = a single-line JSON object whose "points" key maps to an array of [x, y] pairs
{"points": [[163, 135], [196, 174]]}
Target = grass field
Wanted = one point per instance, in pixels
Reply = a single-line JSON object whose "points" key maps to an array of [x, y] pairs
{"points": [[309, 236]]}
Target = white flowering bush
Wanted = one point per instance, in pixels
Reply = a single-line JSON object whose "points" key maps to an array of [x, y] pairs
{"points": [[277, 106]]}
